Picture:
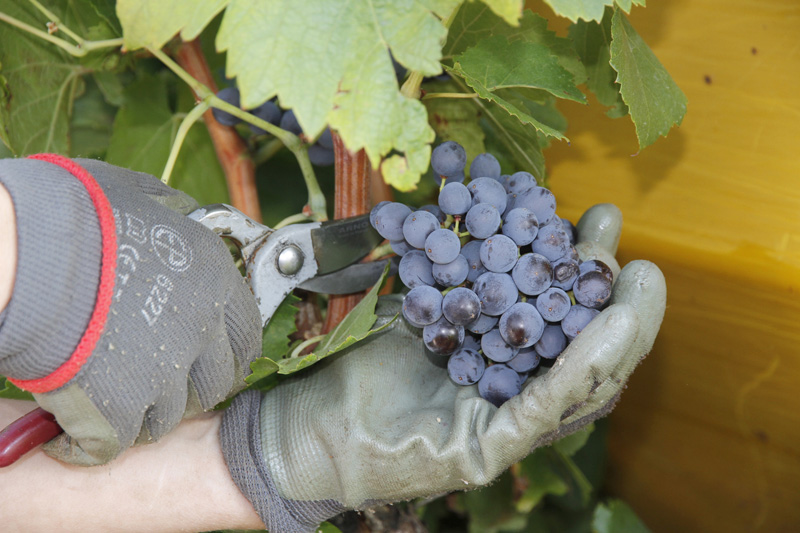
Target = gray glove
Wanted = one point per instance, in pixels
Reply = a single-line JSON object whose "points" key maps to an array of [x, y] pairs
{"points": [[383, 422], [126, 315]]}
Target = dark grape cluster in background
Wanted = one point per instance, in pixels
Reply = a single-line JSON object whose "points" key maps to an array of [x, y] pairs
{"points": [[495, 280], [320, 153]]}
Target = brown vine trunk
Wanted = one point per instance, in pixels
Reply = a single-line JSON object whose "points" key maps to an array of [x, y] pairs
{"points": [[231, 150], [352, 198]]}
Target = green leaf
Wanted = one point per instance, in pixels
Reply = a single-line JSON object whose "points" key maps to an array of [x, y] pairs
{"points": [[515, 144], [91, 124], [275, 338], [455, 119], [592, 42], [261, 368], [356, 326], [327, 527], [616, 516], [570, 444], [38, 84], [625, 5], [491, 508], [12, 392], [154, 22], [579, 9], [474, 23], [656, 103], [509, 10], [542, 479], [142, 137], [345, 77]]}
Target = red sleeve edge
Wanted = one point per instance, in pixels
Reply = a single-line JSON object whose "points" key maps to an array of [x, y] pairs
{"points": [[105, 290]]}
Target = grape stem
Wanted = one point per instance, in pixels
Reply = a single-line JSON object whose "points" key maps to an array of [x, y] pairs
{"points": [[429, 96], [77, 50], [291, 219], [316, 199], [298, 350], [187, 122]]}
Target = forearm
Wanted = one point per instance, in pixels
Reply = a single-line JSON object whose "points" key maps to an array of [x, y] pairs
{"points": [[180, 483], [8, 247]]}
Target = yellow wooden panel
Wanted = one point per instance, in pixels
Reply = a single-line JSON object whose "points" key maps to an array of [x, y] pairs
{"points": [[707, 436]]}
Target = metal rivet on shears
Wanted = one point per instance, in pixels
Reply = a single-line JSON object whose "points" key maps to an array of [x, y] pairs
{"points": [[290, 260]]}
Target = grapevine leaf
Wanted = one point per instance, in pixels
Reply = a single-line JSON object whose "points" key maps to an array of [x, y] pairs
{"points": [[570, 444], [509, 10], [616, 516], [491, 509], [655, 102], [625, 5], [154, 22], [515, 144], [579, 9], [474, 23], [261, 368], [327, 527], [91, 124], [38, 84], [12, 392], [142, 137], [592, 41], [275, 339], [542, 479], [455, 119], [345, 78], [495, 63], [356, 326]]}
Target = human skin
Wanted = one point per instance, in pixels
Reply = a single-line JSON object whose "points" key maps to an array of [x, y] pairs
{"points": [[180, 483]]}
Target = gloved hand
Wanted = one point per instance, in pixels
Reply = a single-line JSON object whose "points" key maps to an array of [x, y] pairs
{"points": [[383, 422], [126, 315]]}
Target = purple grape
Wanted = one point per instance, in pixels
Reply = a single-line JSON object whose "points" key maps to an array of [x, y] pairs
{"points": [[401, 248], [577, 319], [415, 269], [472, 252], [389, 220], [520, 182], [442, 246], [521, 226], [482, 221], [565, 272], [499, 253], [231, 96], [442, 337], [488, 191], [540, 201], [552, 242], [454, 199], [465, 366], [268, 112], [521, 325], [290, 124], [526, 360], [321, 156], [553, 304], [483, 324], [417, 226], [498, 384], [592, 289], [422, 306], [599, 266], [448, 159], [496, 348], [453, 273], [532, 274], [374, 212], [484, 165], [552, 342], [461, 306], [496, 292]]}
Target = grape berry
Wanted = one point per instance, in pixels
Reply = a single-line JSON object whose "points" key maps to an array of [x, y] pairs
{"points": [[495, 280]]}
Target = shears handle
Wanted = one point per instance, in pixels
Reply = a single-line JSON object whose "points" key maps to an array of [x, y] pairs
{"points": [[25, 434]]}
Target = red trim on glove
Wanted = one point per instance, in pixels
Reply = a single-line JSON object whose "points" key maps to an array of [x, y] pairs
{"points": [[105, 290]]}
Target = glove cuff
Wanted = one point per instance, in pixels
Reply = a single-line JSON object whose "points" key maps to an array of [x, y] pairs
{"points": [[56, 203], [240, 435]]}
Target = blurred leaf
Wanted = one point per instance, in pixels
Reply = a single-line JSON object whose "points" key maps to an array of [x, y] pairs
{"points": [[579, 9], [656, 103], [509, 10], [327, 527], [616, 516], [570, 444], [491, 508], [541, 479], [275, 340], [154, 22], [456, 119], [12, 392], [91, 124], [355, 327], [592, 42], [142, 137], [474, 23], [625, 5]]}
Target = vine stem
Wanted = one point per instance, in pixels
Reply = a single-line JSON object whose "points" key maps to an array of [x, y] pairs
{"points": [[316, 202], [300, 347], [186, 124], [74, 50], [351, 199], [231, 150], [57, 21], [430, 96]]}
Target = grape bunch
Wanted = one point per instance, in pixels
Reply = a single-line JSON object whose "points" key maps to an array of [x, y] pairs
{"points": [[495, 280], [319, 153]]}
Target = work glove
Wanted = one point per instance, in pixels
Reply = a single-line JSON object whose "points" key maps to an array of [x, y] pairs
{"points": [[382, 421], [126, 316]]}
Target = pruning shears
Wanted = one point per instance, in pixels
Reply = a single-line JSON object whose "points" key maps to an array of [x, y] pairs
{"points": [[318, 257]]}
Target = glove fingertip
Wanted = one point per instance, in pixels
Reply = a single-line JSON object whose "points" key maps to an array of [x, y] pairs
{"points": [[601, 223]]}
